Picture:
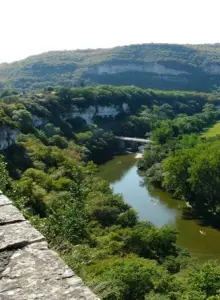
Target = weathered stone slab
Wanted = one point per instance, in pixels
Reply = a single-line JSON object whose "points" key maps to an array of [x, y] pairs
{"points": [[35, 272], [4, 200], [28, 269], [5, 257], [17, 235], [9, 214]]}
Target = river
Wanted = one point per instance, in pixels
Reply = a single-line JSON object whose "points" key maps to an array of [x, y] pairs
{"points": [[159, 208]]}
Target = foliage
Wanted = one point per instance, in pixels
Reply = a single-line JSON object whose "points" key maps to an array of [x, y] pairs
{"points": [[4, 176], [100, 144], [124, 278], [77, 68], [182, 124], [185, 164], [206, 279], [194, 175], [99, 235], [213, 131]]}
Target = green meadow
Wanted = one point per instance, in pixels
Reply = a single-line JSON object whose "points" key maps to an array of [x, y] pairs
{"points": [[212, 131]]}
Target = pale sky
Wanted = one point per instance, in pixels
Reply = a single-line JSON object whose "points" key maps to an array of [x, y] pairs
{"points": [[31, 27]]}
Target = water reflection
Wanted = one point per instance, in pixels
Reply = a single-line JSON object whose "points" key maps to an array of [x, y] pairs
{"points": [[115, 169], [121, 172], [159, 208]]}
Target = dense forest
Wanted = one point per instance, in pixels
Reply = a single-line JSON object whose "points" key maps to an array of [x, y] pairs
{"points": [[50, 174], [161, 66], [185, 163]]}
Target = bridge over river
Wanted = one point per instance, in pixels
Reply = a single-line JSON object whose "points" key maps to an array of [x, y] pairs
{"points": [[134, 139]]}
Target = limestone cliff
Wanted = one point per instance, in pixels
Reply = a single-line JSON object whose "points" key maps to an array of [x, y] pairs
{"points": [[114, 68], [7, 137], [92, 111], [161, 66]]}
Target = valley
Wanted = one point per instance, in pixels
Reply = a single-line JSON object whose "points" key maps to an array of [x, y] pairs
{"points": [[109, 150], [62, 162]]}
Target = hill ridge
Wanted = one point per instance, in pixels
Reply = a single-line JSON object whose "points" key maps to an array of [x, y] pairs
{"points": [[152, 65]]}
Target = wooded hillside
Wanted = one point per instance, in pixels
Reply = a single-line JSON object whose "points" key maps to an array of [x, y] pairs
{"points": [[189, 67]]}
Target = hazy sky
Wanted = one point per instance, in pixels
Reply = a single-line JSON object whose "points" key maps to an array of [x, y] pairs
{"points": [[33, 26]]}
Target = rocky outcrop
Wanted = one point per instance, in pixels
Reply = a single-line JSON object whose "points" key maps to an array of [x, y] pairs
{"points": [[29, 270], [134, 67], [7, 137], [213, 69], [38, 121], [160, 66], [89, 113]]}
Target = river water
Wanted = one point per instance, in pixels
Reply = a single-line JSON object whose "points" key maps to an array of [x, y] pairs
{"points": [[159, 208]]}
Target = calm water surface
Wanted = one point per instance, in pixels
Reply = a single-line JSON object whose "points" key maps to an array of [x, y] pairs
{"points": [[159, 208]]}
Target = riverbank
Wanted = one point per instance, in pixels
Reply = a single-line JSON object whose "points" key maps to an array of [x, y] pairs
{"points": [[159, 208]]}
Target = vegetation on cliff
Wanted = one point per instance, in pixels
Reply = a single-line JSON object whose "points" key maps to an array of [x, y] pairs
{"points": [[189, 67]]}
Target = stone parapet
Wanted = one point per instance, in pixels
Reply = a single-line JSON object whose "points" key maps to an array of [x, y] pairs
{"points": [[29, 270]]}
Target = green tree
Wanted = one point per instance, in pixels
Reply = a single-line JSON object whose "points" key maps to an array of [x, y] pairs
{"points": [[24, 118], [4, 176], [176, 173], [206, 278], [67, 219], [124, 278]]}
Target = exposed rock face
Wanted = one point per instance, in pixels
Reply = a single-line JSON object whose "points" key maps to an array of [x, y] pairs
{"points": [[209, 67], [7, 137], [131, 67], [213, 69], [38, 121], [160, 66], [89, 113], [125, 107], [28, 269]]}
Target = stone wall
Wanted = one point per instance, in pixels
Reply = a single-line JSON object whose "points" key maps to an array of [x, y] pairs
{"points": [[29, 270]]}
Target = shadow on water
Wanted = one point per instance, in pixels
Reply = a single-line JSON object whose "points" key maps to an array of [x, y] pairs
{"points": [[202, 219], [187, 213]]}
